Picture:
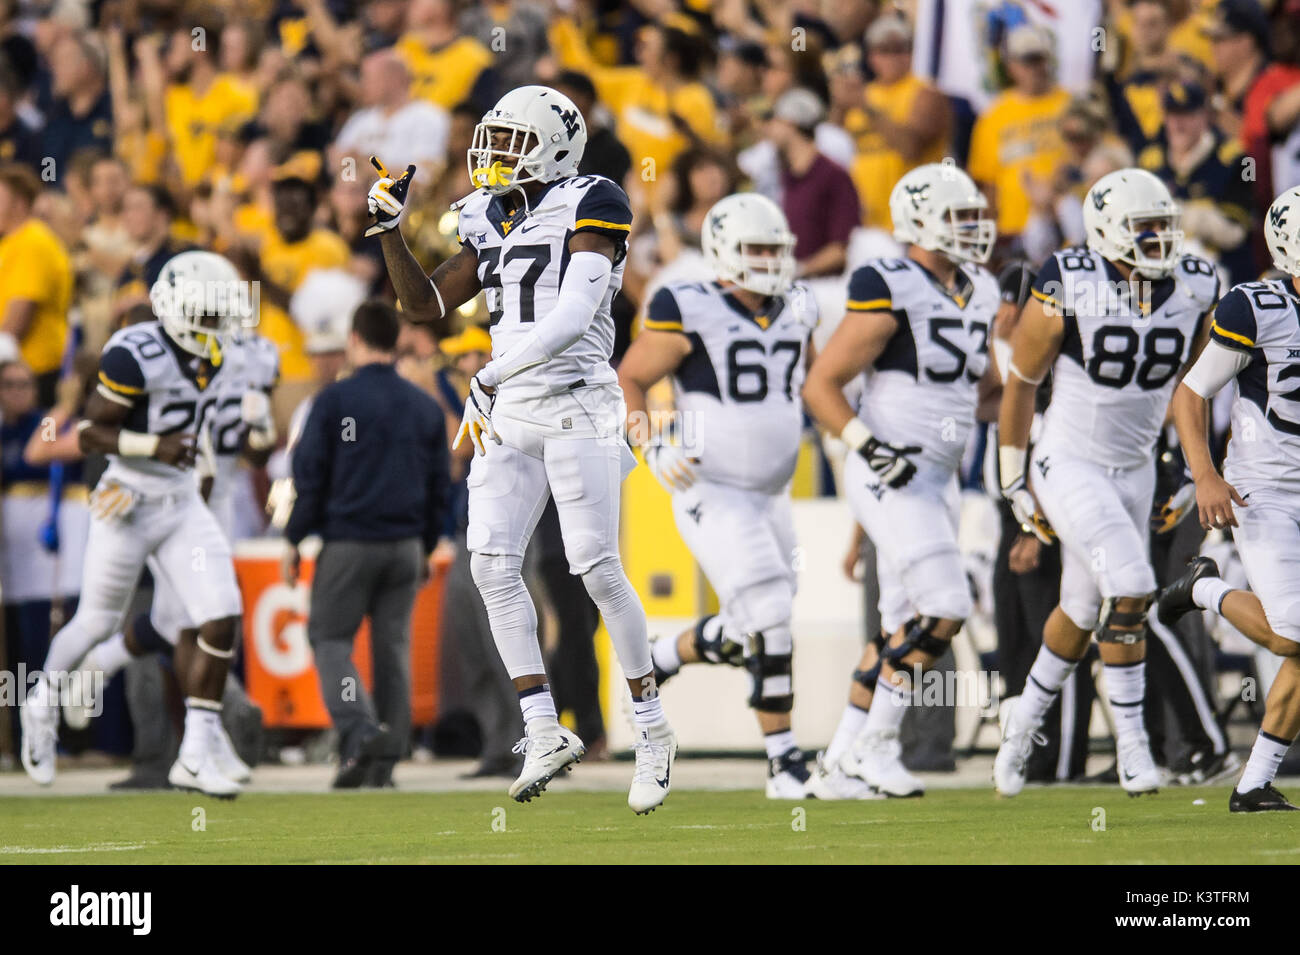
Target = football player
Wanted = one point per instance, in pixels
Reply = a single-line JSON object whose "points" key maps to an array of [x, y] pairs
{"points": [[1254, 340], [153, 394], [917, 328], [236, 424], [1115, 322], [736, 349], [546, 415]]}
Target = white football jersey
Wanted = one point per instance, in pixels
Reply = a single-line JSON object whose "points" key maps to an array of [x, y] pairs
{"points": [[1119, 361], [168, 391], [1263, 320], [921, 391], [250, 362], [739, 388], [521, 261]]}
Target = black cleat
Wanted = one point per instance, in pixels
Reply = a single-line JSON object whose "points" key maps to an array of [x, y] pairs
{"points": [[793, 761], [1176, 599], [1263, 799]]}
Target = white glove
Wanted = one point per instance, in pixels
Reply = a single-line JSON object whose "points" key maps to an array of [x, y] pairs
{"points": [[671, 466], [387, 197], [111, 501], [477, 420], [255, 411]]}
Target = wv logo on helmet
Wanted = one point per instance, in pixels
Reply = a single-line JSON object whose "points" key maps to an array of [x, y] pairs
{"points": [[570, 119]]}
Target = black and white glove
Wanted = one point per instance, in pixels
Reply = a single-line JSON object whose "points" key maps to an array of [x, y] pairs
{"points": [[1015, 491], [387, 197], [477, 420], [889, 461]]}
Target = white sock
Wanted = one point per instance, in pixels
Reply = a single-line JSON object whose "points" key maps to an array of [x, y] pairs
{"points": [[1046, 677], [852, 722], [1126, 686], [538, 708], [778, 743], [665, 655], [1208, 593], [888, 706], [200, 717], [647, 712], [108, 657], [1265, 757]]}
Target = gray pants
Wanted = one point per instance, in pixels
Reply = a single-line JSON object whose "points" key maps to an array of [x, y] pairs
{"points": [[356, 579]]}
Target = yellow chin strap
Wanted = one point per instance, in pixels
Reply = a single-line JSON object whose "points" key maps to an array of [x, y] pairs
{"points": [[493, 175]]}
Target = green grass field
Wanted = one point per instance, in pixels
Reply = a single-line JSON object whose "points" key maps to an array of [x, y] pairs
{"points": [[1041, 826]]}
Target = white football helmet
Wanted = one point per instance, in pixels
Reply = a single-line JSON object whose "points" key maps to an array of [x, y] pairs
{"points": [[200, 300], [735, 229], [547, 137], [1282, 231], [1130, 217], [938, 207]]}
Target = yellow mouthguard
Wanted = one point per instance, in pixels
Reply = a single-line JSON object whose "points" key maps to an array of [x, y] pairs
{"points": [[494, 175], [214, 348]]}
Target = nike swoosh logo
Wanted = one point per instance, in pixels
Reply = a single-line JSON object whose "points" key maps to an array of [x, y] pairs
{"points": [[593, 281], [663, 783], [564, 744], [192, 772], [1129, 777]]}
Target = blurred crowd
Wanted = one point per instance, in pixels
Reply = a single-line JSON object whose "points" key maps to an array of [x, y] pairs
{"points": [[133, 129]]}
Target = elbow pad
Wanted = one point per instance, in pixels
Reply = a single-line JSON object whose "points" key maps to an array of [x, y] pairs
{"points": [[581, 292]]}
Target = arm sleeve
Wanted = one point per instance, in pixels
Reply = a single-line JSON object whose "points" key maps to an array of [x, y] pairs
{"points": [[581, 293], [1216, 367], [1234, 322], [869, 292], [663, 313], [436, 497], [120, 378], [310, 473]]}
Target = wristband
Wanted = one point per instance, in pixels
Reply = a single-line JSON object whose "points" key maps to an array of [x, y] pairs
{"points": [[1011, 466], [856, 434], [133, 444]]}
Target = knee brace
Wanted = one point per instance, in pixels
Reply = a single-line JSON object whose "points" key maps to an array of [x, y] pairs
{"points": [[1122, 626], [867, 678], [918, 634], [714, 645], [770, 666]]}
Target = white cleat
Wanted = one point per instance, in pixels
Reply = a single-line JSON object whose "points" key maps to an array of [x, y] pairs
{"points": [[1018, 741], [832, 782], [225, 758], [656, 748], [876, 758], [40, 725], [1138, 772], [199, 774], [551, 750], [79, 708]]}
